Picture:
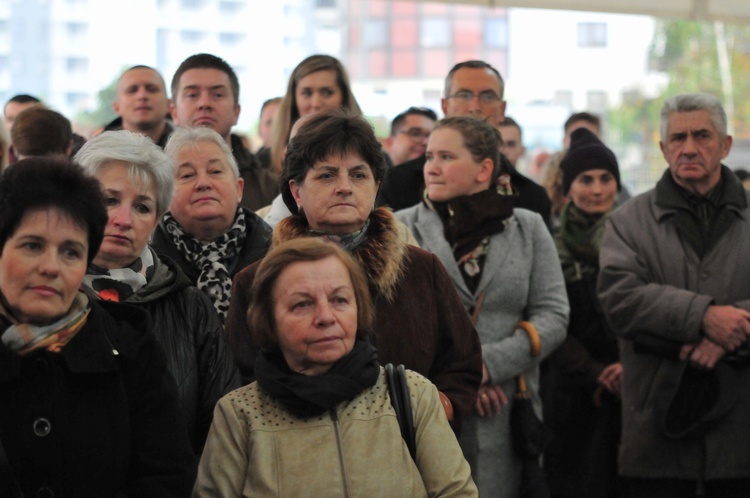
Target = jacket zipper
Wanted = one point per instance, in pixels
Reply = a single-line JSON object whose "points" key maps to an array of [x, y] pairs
{"points": [[337, 433]]}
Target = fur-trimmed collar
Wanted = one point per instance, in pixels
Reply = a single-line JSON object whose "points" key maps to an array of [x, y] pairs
{"points": [[383, 254]]}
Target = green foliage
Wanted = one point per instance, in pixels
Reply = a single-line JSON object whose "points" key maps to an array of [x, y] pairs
{"points": [[687, 52], [104, 113]]}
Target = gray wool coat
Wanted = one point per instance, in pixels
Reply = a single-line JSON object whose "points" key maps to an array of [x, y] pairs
{"points": [[524, 281]]}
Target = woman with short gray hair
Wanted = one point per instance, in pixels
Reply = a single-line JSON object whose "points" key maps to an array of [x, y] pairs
{"points": [[136, 178], [146, 163], [206, 231]]}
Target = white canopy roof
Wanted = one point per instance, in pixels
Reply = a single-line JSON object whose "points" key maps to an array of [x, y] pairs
{"points": [[735, 11]]}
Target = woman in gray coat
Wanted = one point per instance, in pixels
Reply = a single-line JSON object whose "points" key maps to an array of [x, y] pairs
{"points": [[505, 267]]}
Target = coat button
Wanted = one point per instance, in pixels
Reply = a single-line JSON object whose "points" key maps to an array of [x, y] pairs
{"points": [[42, 427], [45, 492]]}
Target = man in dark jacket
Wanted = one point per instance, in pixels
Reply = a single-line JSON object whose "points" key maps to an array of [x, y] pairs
{"points": [[409, 133], [674, 286], [141, 104], [472, 88], [206, 92]]}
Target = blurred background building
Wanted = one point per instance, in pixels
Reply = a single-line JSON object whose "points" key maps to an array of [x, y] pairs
{"points": [[70, 52]]}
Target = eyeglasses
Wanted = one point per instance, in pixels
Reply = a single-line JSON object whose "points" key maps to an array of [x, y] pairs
{"points": [[416, 133], [485, 97]]}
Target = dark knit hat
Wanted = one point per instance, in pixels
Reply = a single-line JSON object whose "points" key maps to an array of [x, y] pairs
{"points": [[586, 152]]}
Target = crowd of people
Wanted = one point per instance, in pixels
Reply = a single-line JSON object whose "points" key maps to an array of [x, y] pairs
{"points": [[180, 316]]}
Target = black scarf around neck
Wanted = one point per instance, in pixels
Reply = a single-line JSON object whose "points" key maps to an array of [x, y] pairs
{"points": [[469, 219], [308, 396]]}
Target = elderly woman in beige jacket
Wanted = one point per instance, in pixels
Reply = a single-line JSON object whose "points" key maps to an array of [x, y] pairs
{"points": [[319, 419]]}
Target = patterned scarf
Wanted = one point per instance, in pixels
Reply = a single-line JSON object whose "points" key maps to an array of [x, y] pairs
{"points": [[24, 338], [350, 241], [120, 283], [578, 241], [211, 259], [468, 223]]}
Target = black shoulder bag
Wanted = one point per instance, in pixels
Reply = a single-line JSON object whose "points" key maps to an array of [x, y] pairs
{"points": [[401, 401]]}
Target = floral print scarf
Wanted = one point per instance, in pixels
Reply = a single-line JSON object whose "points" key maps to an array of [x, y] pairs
{"points": [[468, 223]]}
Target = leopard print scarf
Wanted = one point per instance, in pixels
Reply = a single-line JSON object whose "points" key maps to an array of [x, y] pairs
{"points": [[211, 259]]}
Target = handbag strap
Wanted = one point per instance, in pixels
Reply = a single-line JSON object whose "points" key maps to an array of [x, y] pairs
{"points": [[536, 348], [478, 308], [8, 481], [401, 401]]}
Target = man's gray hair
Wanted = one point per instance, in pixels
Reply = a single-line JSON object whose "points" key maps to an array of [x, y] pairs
{"points": [[148, 164], [688, 102], [184, 136]]}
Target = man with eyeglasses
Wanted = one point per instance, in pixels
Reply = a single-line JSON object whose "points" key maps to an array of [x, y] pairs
{"points": [[409, 133], [472, 88]]}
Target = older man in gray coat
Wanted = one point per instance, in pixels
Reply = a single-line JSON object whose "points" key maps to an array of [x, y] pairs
{"points": [[675, 286]]}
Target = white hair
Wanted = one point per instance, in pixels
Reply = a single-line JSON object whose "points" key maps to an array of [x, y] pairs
{"points": [[183, 137], [688, 102], [148, 164]]}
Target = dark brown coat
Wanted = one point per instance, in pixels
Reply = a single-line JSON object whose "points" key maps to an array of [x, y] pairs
{"points": [[420, 321]]}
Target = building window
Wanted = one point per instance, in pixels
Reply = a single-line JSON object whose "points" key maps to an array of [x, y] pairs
{"points": [[4, 33], [592, 34], [467, 33], [77, 29], [404, 63], [496, 33], [74, 99], [192, 4], [190, 36], [435, 33], [231, 39], [596, 101], [4, 69], [228, 7], [376, 64], [404, 33], [77, 64], [563, 98], [162, 47], [375, 34], [435, 62]]}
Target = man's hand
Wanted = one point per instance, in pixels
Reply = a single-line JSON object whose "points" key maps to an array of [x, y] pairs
{"points": [[727, 326], [704, 355]]}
